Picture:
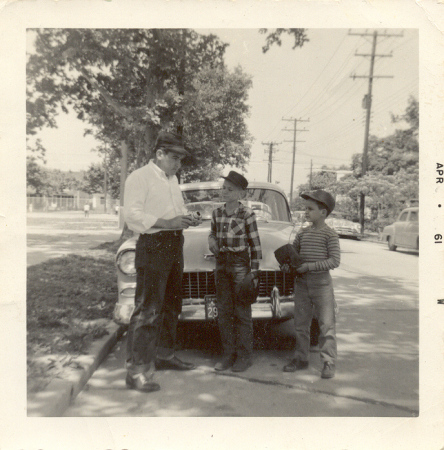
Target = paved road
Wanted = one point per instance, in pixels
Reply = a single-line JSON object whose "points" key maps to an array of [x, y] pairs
{"points": [[377, 293], [54, 234]]}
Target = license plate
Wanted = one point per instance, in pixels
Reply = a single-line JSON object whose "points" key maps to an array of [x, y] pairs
{"points": [[210, 307]]}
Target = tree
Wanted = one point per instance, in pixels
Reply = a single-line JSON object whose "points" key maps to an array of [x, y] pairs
{"points": [[94, 179], [274, 37], [393, 169], [399, 151], [214, 120], [36, 177], [126, 83]]}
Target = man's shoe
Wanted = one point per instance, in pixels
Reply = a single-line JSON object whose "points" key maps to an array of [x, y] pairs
{"points": [[226, 362], [295, 364], [141, 382], [328, 371], [173, 364], [241, 365]]}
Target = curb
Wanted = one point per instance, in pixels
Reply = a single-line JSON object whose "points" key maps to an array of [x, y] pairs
{"points": [[59, 394]]}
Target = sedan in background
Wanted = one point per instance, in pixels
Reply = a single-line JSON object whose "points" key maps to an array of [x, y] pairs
{"points": [[345, 228], [404, 232], [275, 300]]}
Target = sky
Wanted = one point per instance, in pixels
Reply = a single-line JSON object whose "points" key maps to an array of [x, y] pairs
{"points": [[313, 83]]}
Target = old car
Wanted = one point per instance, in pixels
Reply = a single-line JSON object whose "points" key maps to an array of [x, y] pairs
{"points": [[344, 228], [275, 301], [404, 232]]}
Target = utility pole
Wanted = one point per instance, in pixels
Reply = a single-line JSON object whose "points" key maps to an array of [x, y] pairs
{"points": [[270, 158], [311, 172], [295, 123], [367, 104]]}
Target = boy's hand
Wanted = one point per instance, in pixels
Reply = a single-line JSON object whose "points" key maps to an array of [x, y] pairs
{"points": [[214, 248], [285, 268], [255, 274], [302, 268]]}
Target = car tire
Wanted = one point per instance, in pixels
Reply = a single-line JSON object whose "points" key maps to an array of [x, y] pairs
{"points": [[392, 247]]}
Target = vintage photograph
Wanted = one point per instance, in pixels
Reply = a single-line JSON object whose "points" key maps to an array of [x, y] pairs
{"points": [[215, 222], [165, 168]]}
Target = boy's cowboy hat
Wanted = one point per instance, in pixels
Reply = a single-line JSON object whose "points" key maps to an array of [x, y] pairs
{"points": [[237, 179]]}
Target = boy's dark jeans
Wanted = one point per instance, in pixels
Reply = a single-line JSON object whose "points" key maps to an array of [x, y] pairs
{"points": [[313, 292], [234, 318], [158, 299]]}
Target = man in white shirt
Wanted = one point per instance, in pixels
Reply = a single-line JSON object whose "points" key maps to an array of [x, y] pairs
{"points": [[154, 208]]}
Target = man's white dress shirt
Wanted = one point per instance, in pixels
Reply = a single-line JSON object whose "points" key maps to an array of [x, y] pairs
{"points": [[151, 195]]}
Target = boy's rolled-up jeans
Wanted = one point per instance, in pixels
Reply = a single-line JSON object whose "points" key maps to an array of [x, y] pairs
{"points": [[234, 317], [314, 294]]}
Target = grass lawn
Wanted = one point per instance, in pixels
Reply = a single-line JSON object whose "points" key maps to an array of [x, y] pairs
{"points": [[69, 303]]}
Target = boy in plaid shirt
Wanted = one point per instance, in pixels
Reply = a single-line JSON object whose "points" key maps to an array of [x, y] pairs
{"points": [[234, 240]]}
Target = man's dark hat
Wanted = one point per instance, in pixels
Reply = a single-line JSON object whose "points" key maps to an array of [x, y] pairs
{"points": [[237, 179], [322, 197], [172, 142]]}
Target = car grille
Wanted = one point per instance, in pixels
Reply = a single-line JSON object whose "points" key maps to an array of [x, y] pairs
{"points": [[199, 284]]}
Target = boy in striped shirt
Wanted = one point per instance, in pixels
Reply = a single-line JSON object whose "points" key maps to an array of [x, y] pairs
{"points": [[234, 240], [318, 246]]}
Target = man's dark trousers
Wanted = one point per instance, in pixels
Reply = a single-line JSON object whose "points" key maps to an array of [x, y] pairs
{"points": [[158, 299]]}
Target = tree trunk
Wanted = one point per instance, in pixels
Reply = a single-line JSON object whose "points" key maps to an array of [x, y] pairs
{"points": [[123, 175]]}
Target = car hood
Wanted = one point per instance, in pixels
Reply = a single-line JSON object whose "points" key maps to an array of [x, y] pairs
{"points": [[272, 235]]}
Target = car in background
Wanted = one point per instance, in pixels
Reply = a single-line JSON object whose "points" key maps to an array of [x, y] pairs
{"points": [[404, 232], [344, 228], [275, 300]]}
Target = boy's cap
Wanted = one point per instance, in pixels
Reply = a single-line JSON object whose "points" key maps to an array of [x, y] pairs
{"points": [[172, 142], [237, 179], [322, 197]]}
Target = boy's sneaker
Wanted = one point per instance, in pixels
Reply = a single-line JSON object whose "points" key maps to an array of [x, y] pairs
{"points": [[226, 362], [241, 365], [295, 364], [328, 371], [141, 382]]}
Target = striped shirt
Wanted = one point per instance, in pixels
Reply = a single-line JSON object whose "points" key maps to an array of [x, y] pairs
{"points": [[237, 232], [319, 248]]}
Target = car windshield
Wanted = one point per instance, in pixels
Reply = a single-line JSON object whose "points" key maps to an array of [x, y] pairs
{"points": [[266, 203]]}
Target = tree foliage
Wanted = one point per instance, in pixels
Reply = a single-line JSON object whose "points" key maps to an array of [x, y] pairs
{"points": [[127, 84], [392, 177], [275, 37], [215, 110], [391, 180], [43, 181], [94, 180]]}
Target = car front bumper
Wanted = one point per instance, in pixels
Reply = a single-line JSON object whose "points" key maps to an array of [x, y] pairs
{"points": [[275, 307]]}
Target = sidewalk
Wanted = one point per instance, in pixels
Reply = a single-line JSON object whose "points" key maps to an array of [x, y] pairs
{"points": [[58, 395]]}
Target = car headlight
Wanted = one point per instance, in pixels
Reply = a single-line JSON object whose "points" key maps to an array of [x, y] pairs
{"points": [[126, 262]]}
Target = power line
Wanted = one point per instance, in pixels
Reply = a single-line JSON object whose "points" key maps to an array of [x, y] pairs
{"points": [[346, 60], [295, 122]]}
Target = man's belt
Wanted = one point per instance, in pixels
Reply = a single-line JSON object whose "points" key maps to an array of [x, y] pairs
{"points": [[166, 233]]}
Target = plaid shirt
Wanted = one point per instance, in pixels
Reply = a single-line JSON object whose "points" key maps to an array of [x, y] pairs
{"points": [[237, 232]]}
